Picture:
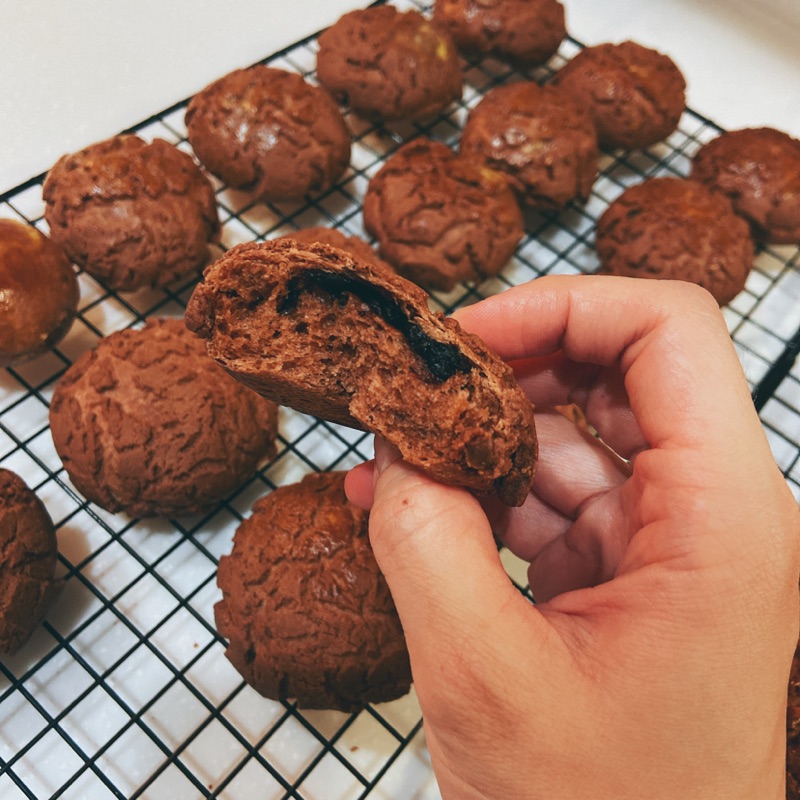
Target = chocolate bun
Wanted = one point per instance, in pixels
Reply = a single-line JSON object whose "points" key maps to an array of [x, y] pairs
{"points": [[147, 424], [440, 218], [27, 568], [679, 229], [525, 32], [305, 609], [540, 138], [269, 132], [758, 169], [313, 328], [38, 293], [131, 214], [389, 65], [635, 95], [793, 730]]}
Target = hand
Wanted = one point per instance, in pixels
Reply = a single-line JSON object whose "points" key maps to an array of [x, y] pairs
{"points": [[655, 662]]}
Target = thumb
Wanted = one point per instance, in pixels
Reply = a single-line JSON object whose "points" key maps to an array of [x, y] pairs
{"points": [[435, 546]]}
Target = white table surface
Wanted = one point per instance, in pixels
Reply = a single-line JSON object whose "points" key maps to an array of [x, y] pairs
{"points": [[74, 73]]}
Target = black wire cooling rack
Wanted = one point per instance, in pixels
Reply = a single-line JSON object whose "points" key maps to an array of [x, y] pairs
{"points": [[124, 690]]}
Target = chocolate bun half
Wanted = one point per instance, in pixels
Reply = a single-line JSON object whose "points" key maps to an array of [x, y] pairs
{"points": [[313, 328]]}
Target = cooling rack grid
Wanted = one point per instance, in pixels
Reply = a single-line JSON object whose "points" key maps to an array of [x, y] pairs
{"points": [[124, 690]]}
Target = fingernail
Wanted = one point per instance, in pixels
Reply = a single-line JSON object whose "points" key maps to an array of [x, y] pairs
{"points": [[385, 455]]}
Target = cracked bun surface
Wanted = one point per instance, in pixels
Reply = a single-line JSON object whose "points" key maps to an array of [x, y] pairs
{"points": [[441, 218], [354, 245], [28, 557], [305, 609], [330, 335], [635, 95], [388, 64], [147, 424], [131, 214], [524, 32], [38, 293], [269, 132], [541, 139], [679, 229], [758, 169]]}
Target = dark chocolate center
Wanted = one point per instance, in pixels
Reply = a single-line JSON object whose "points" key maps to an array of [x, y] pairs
{"points": [[442, 359]]}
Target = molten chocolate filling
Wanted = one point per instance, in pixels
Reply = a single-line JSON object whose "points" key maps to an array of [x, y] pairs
{"points": [[442, 359]]}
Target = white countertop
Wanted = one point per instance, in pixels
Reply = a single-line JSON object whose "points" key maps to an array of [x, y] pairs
{"points": [[74, 73]]}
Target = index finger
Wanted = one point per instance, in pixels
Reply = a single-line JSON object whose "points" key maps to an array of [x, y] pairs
{"points": [[668, 338]]}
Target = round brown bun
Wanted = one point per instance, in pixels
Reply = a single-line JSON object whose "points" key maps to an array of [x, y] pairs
{"points": [[27, 571], [635, 94], [793, 729], [677, 229], [541, 139], [758, 169], [315, 329], [132, 214], [148, 424], [441, 218], [305, 609], [388, 64], [269, 132], [525, 32], [38, 293]]}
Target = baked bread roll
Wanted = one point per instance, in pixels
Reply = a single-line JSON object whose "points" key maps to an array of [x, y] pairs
{"points": [[793, 729], [524, 32], [310, 327], [269, 132], [132, 213], [540, 138], [634, 94], [147, 424], [441, 218], [305, 608], [389, 64], [676, 229], [28, 560], [39, 293], [758, 170]]}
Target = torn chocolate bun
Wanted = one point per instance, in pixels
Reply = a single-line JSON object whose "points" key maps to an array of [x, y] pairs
{"points": [[310, 327]]}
